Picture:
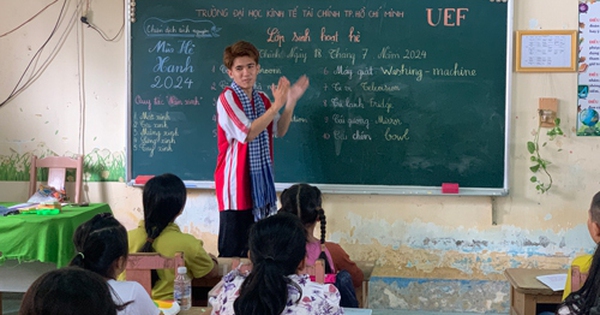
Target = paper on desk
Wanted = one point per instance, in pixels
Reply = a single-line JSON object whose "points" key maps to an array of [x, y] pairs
{"points": [[23, 205], [556, 282]]}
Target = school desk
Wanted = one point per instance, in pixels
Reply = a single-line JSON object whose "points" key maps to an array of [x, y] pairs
{"points": [[32, 244], [195, 310], [202, 286], [527, 293]]}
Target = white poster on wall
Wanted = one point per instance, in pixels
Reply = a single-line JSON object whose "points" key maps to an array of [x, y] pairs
{"points": [[588, 89]]}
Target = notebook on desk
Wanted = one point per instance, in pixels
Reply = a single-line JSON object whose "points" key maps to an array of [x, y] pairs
{"points": [[556, 282]]}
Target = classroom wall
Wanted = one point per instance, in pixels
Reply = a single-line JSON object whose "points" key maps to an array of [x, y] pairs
{"points": [[431, 252]]}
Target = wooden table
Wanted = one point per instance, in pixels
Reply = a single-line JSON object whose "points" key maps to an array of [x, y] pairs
{"points": [[33, 244], [200, 287], [196, 310], [526, 292], [44, 238], [362, 295]]}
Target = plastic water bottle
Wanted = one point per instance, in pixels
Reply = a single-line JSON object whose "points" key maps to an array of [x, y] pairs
{"points": [[183, 289]]}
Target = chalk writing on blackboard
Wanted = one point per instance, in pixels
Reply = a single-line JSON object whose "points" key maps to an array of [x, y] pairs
{"points": [[404, 94]]}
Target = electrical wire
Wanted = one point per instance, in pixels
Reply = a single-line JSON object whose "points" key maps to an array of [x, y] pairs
{"points": [[91, 25], [30, 19], [32, 67], [81, 83], [84, 20], [17, 90]]}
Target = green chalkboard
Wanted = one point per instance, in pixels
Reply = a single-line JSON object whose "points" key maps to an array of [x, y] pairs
{"points": [[404, 94]]}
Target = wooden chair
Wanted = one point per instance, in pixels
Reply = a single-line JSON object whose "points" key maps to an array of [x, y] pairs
{"points": [[57, 169], [140, 265], [317, 270]]}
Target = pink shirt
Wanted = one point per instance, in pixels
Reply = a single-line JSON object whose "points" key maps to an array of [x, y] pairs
{"points": [[313, 250], [232, 174]]}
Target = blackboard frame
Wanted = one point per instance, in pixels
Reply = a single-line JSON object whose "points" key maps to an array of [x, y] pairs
{"points": [[355, 189]]}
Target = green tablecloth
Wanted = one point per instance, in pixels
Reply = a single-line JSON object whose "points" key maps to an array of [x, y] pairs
{"points": [[45, 238]]}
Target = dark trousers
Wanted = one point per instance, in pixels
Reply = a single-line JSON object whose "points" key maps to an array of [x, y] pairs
{"points": [[343, 282], [234, 226]]}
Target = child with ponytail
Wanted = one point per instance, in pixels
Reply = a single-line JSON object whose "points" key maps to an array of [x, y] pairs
{"points": [[275, 285], [304, 201], [101, 245], [164, 198]]}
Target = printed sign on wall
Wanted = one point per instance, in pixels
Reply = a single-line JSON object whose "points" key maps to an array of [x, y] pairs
{"points": [[588, 89]]}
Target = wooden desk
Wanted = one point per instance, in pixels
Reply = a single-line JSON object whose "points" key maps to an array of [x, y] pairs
{"points": [[363, 294], [201, 287], [196, 310], [526, 292], [206, 311]]}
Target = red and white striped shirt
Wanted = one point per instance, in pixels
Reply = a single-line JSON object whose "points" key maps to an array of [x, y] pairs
{"points": [[232, 174]]}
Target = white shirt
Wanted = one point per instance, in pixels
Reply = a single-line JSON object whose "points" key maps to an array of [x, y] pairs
{"points": [[125, 291]]}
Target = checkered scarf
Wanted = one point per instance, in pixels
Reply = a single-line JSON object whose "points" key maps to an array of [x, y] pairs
{"points": [[261, 173]]}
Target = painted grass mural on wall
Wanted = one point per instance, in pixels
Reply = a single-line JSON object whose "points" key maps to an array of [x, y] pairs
{"points": [[104, 166], [99, 166], [15, 167]]}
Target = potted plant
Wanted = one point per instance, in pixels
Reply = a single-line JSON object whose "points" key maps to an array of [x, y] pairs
{"points": [[540, 164]]}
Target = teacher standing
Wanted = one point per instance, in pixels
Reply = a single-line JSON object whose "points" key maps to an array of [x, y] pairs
{"points": [[247, 120]]}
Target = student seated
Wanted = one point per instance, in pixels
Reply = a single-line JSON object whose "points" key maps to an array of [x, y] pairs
{"points": [[304, 201], [274, 286], [101, 245], [164, 198], [69, 291], [583, 262], [585, 300]]}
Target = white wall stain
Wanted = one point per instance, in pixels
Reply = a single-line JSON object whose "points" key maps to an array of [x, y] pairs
{"points": [[201, 213], [395, 301], [435, 294], [507, 239], [431, 250]]}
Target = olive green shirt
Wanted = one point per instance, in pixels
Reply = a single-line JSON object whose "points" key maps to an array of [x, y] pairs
{"points": [[170, 241]]}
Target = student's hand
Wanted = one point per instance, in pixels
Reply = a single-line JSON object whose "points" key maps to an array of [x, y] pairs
{"points": [[297, 90], [280, 92]]}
